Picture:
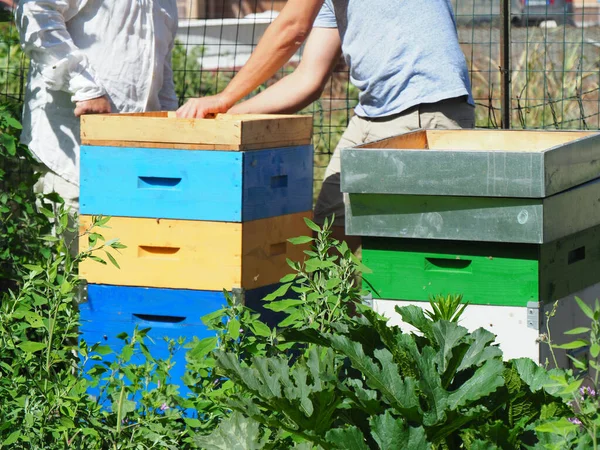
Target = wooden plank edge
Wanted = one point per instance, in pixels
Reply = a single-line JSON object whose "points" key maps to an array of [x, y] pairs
{"points": [[153, 129], [260, 131], [173, 115], [172, 146]]}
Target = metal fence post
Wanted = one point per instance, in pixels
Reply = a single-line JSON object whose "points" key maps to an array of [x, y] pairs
{"points": [[505, 69]]}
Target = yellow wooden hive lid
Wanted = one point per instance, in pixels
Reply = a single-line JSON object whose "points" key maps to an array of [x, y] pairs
{"points": [[223, 132]]}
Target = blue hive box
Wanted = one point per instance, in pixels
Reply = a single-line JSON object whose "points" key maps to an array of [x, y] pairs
{"points": [[206, 185], [169, 313]]}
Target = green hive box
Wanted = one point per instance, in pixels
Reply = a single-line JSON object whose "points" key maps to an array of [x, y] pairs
{"points": [[485, 273], [474, 185]]}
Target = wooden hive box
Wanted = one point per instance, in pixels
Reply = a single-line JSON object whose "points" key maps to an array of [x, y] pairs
{"points": [[202, 176], [479, 185], [485, 273], [224, 132], [109, 311], [169, 314], [186, 254]]}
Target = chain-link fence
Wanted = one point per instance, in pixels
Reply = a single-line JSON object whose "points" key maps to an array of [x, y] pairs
{"points": [[553, 71], [543, 57]]}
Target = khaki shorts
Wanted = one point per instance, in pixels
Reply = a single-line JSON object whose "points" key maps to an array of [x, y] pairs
{"points": [[448, 114]]}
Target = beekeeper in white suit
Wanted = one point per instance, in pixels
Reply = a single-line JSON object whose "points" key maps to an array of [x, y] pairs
{"points": [[90, 57]]}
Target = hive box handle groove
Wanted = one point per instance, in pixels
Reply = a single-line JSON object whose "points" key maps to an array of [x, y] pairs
{"points": [[158, 319], [576, 255], [278, 249], [448, 265], [158, 182], [148, 251], [279, 181]]}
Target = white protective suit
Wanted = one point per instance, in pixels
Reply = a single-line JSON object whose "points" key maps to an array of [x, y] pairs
{"points": [[83, 49]]}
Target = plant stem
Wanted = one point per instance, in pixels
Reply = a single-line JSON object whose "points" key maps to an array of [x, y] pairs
{"points": [[120, 409]]}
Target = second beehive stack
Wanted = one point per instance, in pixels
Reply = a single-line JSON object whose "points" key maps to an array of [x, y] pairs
{"points": [[508, 219]]}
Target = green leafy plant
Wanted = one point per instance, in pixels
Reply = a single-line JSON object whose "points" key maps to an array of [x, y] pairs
{"points": [[366, 385], [449, 307], [21, 223], [237, 329], [581, 429], [323, 287], [46, 374], [136, 405], [353, 382], [14, 64], [323, 290], [38, 343]]}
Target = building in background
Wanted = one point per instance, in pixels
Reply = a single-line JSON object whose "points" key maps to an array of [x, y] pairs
{"points": [[586, 13], [226, 9], [226, 30]]}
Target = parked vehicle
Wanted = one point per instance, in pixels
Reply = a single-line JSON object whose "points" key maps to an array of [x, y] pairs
{"points": [[534, 11]]}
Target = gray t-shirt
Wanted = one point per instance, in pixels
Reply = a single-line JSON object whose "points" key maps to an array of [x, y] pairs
{"points": [[401, 53]]}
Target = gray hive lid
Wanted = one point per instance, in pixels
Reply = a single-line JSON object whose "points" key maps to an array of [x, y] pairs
{"points": [[481, 163]]}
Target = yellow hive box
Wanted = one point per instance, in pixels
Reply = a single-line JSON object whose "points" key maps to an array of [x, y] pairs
{"points": [[198, 255]]}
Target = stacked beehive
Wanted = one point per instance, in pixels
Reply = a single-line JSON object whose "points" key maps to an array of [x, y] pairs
{"points": [[509, 219], [202, 206]]}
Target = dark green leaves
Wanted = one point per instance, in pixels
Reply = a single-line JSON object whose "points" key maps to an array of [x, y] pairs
{"points": [[390, 433], [349, 438], [235, 433], [32, 347]]}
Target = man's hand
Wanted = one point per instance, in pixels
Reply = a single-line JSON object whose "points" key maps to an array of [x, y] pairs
{"points": [[99, 105], [199, 108]]}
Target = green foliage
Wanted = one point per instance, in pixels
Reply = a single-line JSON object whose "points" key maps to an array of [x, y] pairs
{"points": [[46, 374], [366, 385], [237, 330], [446, 308], [14, 64], [189, 77], [323, 287], [353, 382], [136, 406], [237, 432], [581, 389], [21, 223]]}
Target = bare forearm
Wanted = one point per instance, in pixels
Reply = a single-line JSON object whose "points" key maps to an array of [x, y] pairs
{"points": [[305, 84], [288, 95], [279, 43], [281, 40]]}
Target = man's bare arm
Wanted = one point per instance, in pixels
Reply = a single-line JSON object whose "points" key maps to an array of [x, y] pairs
{"points": [[281, 40], [305, 84]]}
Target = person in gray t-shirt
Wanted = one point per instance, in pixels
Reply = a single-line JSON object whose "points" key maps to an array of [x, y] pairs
{"points": [[404, 58]]}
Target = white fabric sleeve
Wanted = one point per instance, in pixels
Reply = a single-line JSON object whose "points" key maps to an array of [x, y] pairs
{"points": [[326, 17], [166, 95], [45, 39]]}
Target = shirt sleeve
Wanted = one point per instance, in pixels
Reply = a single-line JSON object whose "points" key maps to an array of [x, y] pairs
{"points": [[166, 95], [326, 17], [45, 39]]}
